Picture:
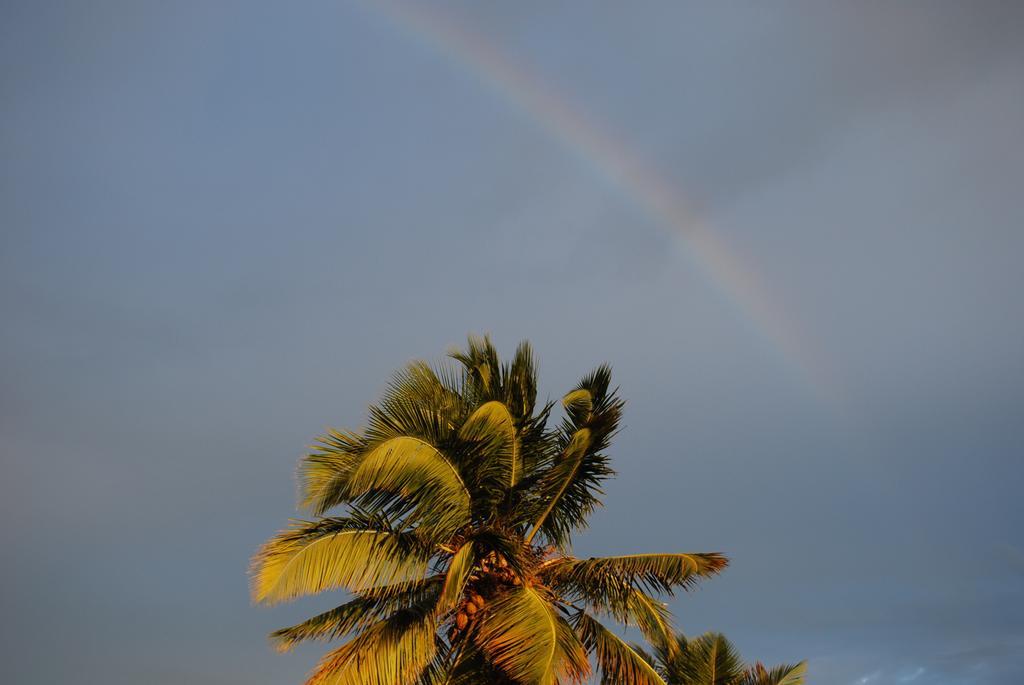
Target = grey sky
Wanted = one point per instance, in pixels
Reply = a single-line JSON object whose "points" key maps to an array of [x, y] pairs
{"points": [[223, 224]]}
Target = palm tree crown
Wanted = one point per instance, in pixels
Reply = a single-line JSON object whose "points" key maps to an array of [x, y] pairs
{"points": [[456, 506], [712, 660]]}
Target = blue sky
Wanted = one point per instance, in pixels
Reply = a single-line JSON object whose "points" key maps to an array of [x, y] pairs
{"points": [[223, 224]]}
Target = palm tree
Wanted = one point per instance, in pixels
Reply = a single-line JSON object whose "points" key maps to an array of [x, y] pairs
{"points": [[458, 504], [712, 660]]}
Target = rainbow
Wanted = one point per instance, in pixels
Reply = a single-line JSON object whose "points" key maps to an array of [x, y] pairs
{"points": [[649, 190]]}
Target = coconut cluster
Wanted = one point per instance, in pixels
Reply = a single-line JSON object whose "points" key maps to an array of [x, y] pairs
{"points": [[491, 576]]}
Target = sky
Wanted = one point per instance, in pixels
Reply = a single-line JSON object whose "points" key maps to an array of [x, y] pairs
{"points": [[794, 230]]}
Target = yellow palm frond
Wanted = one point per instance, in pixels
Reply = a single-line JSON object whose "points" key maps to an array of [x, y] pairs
{"points": [[391, 652], [564, 474], [619, 663], [523, 636], [311, 558], [455, 580], [613, 595], [493, 425], [365, 609], [324, 473], [655, 572], [785, 674], [650, 616], [709, 659], [578, 400], [419, 473]]}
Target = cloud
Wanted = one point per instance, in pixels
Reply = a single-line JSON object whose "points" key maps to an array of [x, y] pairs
{"points": [[912, 676]]}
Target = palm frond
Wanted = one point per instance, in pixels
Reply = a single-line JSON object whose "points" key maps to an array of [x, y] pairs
{"points": [[579, 401], [650, 572], [594, 404], [391, 652], [522, 635], [649, 615], [324, 473], [709, 660], [420, 402], [563, 475], [784, 674], [483, 369], [651, 659], [538, 447], [571, 654], [669, 662], [365, 609], [608, 593], [330, 554], [437, 671], [427, 386], [417, 473], [401, 417], [521, 382], [620, 664], [455, 579], [572, 487], [493, 428]]}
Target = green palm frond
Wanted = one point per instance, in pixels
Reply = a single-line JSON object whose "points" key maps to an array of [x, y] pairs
{"points": [[420, 402], [649, 615], [434, 388], [395, 650], [521, 384], [483, 369], [330, 625], [651, 659], [611, 594], [404, 417], [493, 428], [620, 664], [324, 473], [706, 660], [571, 654], [712, 660], [571, 488], [455, 580], [651, 572], [365, 609], [414, 472], [328, 555], [579, 402], [784, 674], [437, 671], [667, 660], [538, 450], [600, 412], [487, 379], [522, 635], [562, 476]]}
